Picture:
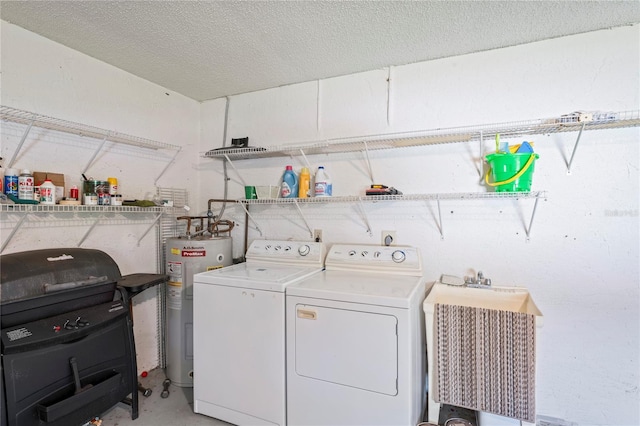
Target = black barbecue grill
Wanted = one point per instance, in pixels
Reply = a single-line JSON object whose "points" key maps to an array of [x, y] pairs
{"points": [[68, 352]]}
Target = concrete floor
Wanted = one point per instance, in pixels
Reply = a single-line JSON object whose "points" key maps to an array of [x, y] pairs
{"points": [[176, 410]]}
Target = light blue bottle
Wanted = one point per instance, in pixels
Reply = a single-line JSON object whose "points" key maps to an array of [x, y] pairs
{"points": [[289, 186]]}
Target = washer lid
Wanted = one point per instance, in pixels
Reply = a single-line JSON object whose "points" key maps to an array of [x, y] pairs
{"points": [[398, 291], [258, 276]]}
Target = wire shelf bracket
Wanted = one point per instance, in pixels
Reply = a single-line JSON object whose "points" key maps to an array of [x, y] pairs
{"points": [[533, 215], [91, 228], [24, 137], [13, 231], [365, 218], [246, 210], [304, 219], [149, 228], [575, 147]]}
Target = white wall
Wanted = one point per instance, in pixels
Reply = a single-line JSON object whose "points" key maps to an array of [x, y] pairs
{"points": [[41, 76], [582, 261], [581, 264]]}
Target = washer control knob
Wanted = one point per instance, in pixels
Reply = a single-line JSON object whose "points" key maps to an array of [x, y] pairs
{"points": [[398, 256], [352, 252], [277, 248], [287, 248], [304, 250], [376, 254], [364, 253]]}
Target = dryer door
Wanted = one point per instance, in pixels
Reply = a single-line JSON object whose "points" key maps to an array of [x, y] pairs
{"points": [[347, 347]]}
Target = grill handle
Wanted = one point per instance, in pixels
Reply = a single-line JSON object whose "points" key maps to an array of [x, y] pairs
{"points": [[52, 288]]}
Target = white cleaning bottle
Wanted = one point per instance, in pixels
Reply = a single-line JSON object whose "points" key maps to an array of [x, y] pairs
{"points": [[47, 193], [323, 187]]}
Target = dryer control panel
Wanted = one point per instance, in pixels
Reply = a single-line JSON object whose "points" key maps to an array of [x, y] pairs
{"points": [[397, 260]]}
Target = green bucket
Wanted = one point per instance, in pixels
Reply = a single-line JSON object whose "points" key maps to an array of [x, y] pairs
{"points": [[510, 172]]}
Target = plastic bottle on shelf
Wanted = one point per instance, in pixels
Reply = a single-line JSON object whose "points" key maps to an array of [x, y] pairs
{"points": [[47, 193], [289, 186], [11, 182], [25, 185], [323, 186], [304, 183], [113, 185]]}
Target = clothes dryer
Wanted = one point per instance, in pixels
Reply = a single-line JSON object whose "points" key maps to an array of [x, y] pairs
{"points": [[239, 332], [355, 345]]}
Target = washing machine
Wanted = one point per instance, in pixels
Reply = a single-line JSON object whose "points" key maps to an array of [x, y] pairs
{"points": [[239, 332], [355, 345]]}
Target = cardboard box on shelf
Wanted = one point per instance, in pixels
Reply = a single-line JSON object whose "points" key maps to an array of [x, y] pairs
{"points": [[56, 178]]}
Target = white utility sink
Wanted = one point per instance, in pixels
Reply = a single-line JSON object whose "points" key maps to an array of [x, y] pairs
{"points": [[512, 299]]}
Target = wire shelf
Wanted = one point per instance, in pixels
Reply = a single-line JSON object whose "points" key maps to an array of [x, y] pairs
{"points": [[45, 122], [39, 208], [407, 197], [435, 136]]}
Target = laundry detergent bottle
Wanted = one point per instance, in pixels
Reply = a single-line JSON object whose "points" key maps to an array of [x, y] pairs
{"points": [[304, 183], [323, 187], [289, 186]]}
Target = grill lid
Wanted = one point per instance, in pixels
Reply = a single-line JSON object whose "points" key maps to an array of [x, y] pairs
{"points": [[34, 273]]}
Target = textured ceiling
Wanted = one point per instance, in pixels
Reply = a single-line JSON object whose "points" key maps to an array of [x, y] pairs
{"points": [[207, 49]]}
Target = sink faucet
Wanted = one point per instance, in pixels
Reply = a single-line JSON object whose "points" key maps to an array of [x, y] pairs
{"points": [[479, 282]]}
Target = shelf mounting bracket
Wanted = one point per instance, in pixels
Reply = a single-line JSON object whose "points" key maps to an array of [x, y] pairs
{"points": [[167, 166], [149, 228], [226, 156], [250, 217], [304, 219], [366, 152], [86, 234], [95, 154], [13, 231], [575, 147], [364, 216], [306, 161], [24, 137], [440, 226], [481, 157], [533, 214]]}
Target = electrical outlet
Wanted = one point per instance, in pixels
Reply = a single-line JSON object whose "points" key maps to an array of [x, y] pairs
{"points": [[388, 238], [317, 235]]}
